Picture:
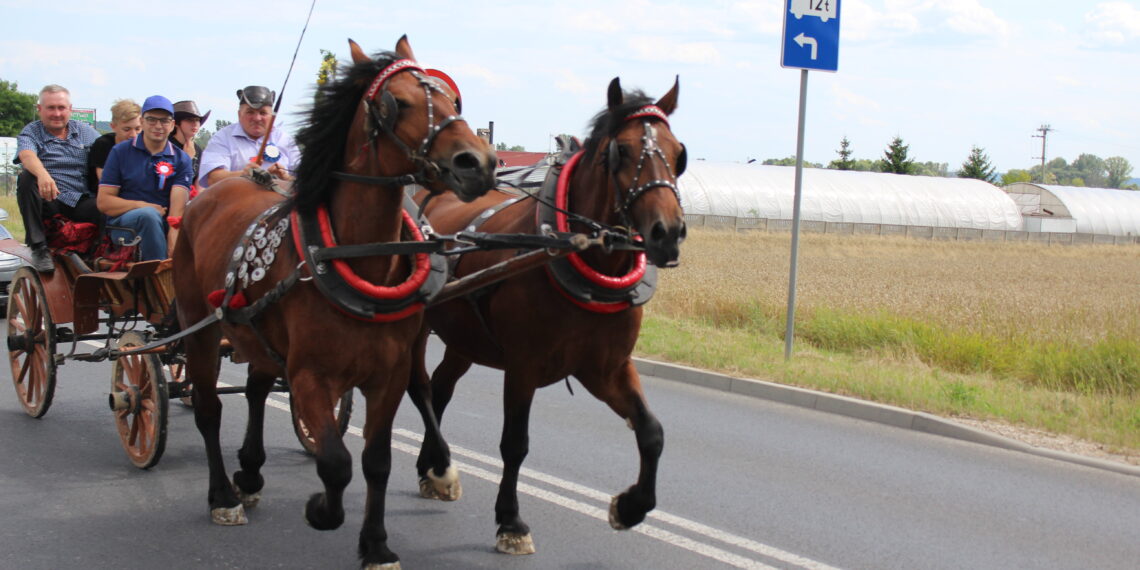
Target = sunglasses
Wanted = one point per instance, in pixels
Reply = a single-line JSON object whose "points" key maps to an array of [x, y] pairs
{"points": [[256, 96]]}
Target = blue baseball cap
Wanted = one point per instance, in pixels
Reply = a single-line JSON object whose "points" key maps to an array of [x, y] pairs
{"points": [[157, 102]]}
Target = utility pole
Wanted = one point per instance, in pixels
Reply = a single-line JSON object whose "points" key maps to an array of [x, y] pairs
{"points": [[1044, 130]]}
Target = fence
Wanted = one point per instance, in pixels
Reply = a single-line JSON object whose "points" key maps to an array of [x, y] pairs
{"points": [[920, 232]]}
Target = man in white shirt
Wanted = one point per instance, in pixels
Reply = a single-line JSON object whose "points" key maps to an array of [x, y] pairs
{"points": [[232, 149]]}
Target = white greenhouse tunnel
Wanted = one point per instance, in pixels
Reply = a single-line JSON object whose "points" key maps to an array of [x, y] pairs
{"points": [[758, 191]]}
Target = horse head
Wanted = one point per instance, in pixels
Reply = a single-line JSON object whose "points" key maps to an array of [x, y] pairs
{"points": [[406, 108], [643, 160]]}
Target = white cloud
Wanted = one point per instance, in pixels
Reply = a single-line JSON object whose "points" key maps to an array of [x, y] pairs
{"points": [[573, 83], [1113, 23], [863, 22], [664, 50], [969, 17]]}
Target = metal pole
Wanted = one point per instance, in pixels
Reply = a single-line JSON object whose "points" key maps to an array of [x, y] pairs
{"points": [[789, 333]]}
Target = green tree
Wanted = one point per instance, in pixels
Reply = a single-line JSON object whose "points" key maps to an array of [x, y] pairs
{"points": [[866, 165], [941, 169], [16, 109], [203, 137], [327, 72], [1091, 168], [221, 124], [1119, 171], [790, 161], [895, 159], [514, 148], [844, 152], [978, 166], [1014, 176]]}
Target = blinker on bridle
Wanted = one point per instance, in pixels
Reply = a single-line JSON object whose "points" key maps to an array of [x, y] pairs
{"points": [[649, 149], [383, 115]]}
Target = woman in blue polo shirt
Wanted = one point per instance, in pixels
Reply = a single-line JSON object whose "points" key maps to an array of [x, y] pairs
{"points": [[146, 182]]}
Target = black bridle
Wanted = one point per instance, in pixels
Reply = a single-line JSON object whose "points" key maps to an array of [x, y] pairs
{"points": [[650, 151], [382, 121]]}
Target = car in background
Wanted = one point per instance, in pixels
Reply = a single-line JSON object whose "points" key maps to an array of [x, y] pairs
{"points": [[8, 263]]}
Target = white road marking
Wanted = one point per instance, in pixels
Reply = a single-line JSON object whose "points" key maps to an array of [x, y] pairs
{"points": [[603, 513], [592, 511]]}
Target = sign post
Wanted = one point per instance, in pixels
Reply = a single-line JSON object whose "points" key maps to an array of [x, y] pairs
{"points": [[811, 41]]}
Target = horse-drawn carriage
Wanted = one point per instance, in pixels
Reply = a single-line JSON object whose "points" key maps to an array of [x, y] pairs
{"points": [[95, 308], [338, 303]]}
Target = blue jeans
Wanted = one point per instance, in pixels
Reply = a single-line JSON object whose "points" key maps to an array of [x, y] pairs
{"points": [[148, 225]]}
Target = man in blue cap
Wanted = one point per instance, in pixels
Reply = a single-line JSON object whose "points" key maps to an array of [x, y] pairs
{"points": [[146, 183]]}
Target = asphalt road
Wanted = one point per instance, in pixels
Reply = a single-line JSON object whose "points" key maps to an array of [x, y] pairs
{"points": [[743, 483]]}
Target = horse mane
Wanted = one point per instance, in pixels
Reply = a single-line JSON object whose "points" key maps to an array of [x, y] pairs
{"points": [[607, 123], [322, 138]]}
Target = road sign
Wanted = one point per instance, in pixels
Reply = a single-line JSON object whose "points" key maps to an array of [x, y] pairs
{"points": [[811, 35], [83, 115]]}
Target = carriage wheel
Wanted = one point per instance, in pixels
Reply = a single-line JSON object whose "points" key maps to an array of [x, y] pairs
{"points": [[31, 342], [342, 410], [139, 401]]}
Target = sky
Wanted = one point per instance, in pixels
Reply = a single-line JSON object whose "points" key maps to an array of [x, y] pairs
{"points": [[944, 75]]}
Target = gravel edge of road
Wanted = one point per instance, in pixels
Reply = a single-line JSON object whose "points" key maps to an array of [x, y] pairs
{"points": [[864, 410]]}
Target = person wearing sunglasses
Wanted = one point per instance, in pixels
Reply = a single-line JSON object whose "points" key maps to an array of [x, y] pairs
{"points": [[146, 184], [232, 149]]}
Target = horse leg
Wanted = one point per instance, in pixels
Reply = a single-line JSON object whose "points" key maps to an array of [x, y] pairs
{"points": [[202, 370], [324, 511], [377, 466], [513, 535], [443, 380], [251, 456], [438, 477], [622, 392]]}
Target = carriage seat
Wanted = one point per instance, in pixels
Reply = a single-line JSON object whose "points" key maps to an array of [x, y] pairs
{"points": [[82, 242]]}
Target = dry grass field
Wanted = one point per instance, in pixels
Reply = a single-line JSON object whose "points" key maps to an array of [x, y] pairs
{"points": [[1042, 336]]}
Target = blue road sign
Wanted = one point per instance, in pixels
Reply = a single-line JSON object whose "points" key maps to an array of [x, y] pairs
{"points": [[811, 35]]}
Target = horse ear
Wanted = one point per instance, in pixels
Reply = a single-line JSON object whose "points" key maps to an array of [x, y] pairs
{"points": [[358, 55], [668, 103], [614, 96], [404, 48]]}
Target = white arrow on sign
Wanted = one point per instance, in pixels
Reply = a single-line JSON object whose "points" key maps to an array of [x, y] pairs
{"points": [[802, 39]]}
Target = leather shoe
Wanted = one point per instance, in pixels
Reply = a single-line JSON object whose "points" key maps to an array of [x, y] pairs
{"points": [[41, 259]]}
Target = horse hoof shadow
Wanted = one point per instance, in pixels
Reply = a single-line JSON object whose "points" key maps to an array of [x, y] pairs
{"points": [[445, 488], [511, 543], [232, 516]]}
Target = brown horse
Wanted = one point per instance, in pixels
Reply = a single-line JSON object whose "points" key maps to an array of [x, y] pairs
{"points": [[578, 316], [384, 123]]}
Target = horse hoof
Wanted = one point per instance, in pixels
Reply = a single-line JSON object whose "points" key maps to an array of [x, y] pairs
{"points": [[509, 543], [388, 566], [445, 488], [615, 522], [249, 501], [233, 516]]}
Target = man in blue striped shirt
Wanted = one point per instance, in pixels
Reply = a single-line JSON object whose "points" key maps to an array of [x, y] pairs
{"points": [[53, 151]]}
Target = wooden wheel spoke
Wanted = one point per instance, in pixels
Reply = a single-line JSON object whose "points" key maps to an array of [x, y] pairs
{"points": [[23, 376]]}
